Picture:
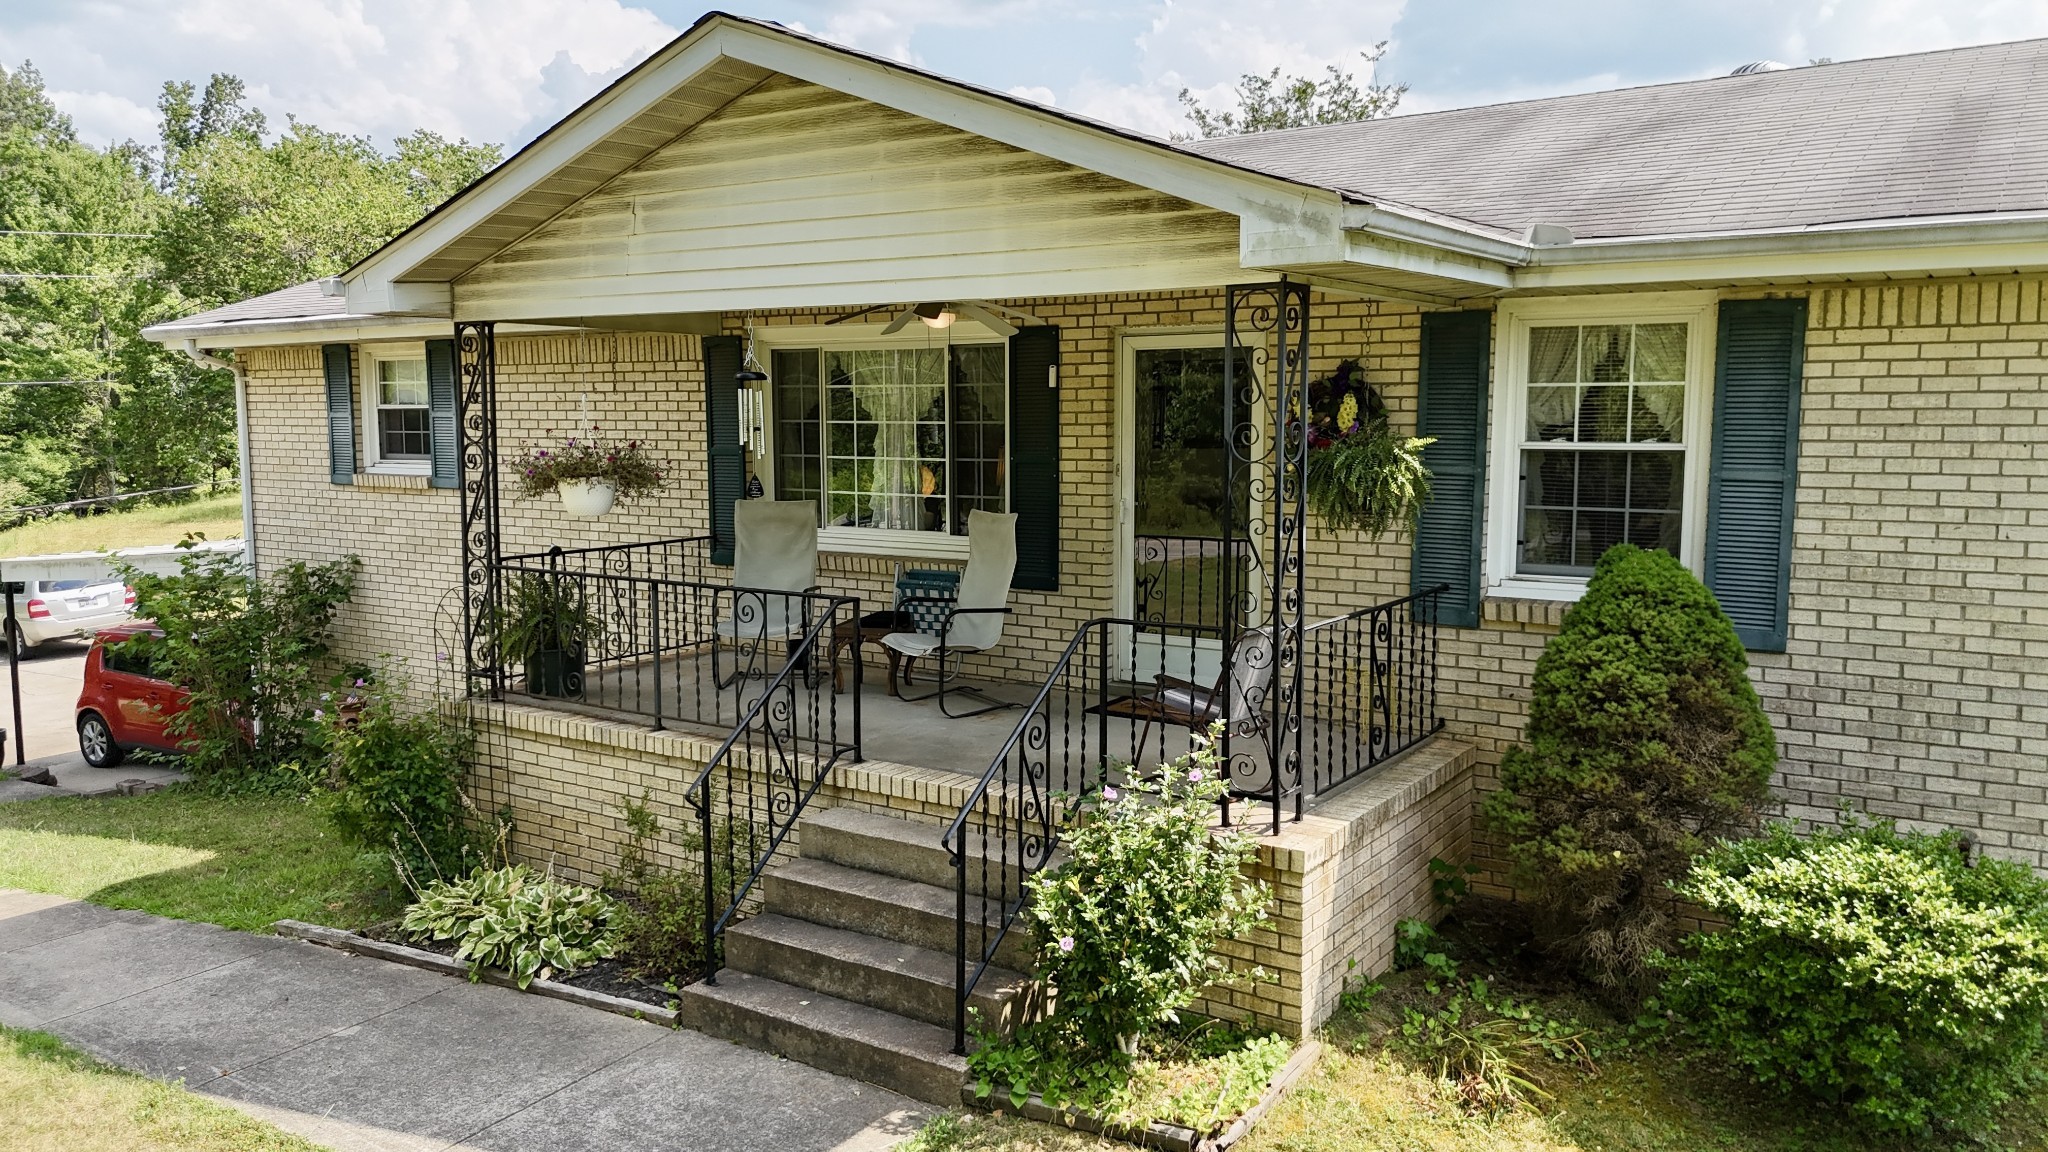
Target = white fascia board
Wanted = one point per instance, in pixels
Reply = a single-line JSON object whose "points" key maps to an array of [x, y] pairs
{"points": [[385, 298], [1404, 256], [1416, 228], [318, 330]]}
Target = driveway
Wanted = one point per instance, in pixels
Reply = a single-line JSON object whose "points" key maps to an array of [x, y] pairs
{"points": [[50, 680], [367, 1056]]}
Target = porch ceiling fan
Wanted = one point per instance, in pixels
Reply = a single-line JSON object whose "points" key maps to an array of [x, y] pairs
{"points": [[942, 313]]}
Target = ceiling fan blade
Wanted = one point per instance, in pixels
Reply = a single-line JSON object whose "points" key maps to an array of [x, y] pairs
{"points": [[902, 318], [987, 319]]}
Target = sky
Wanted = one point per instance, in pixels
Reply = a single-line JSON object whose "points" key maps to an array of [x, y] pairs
{"points": [[503, 70]]}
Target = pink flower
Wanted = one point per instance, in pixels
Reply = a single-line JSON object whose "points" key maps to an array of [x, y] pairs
{"points": [[317, 714], [1109, 793], [359, 682], [1194, 775], [1066, 943]]}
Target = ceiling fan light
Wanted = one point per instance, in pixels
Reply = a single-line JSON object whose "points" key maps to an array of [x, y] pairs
{"points": [[944, 319]]}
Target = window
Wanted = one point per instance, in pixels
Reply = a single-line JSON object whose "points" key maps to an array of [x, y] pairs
{"points": [[399, 430], [892, 439], [1602, 424]]}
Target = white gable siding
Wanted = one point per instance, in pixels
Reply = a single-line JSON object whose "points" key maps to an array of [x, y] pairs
{"points": [[796, 195]]}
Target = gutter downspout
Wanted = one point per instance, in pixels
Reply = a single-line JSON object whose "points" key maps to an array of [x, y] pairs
{"points": [[241, 445]]}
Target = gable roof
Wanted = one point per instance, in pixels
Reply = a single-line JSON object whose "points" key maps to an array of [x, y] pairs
{"points": [[1956, 132], [296, 302]]}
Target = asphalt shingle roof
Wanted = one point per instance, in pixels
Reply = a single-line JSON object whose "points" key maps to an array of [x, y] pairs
{"points": [[1931, 134], [296, 302]]}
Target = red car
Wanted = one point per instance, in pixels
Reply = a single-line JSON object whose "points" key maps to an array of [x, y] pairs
{"points": [[123, 706]]}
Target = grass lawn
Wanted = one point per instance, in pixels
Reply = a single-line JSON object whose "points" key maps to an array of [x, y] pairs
{"points": [[56, 1099], [217, 517], [240, 862], [1372, 1092]]}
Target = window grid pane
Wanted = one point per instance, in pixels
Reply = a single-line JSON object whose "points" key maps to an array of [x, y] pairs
{"points": [[1599, 396], [404, 434]]}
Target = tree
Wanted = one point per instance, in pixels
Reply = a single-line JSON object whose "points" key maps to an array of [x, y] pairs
{"points": [[1268, 102], [1645, 743]]}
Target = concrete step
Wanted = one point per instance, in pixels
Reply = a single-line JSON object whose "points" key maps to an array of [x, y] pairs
{"points": [[839, 1036], [893, 908], [905, 849], [886, 974]]}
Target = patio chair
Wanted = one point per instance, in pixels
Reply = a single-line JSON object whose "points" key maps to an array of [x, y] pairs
{"points": [[1237, 696], [972, 621], [775, 550]]}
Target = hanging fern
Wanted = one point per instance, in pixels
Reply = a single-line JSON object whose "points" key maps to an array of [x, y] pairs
{"points": [[1370, 481]]}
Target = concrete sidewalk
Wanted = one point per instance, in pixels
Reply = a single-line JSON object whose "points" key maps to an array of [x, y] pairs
{"points": [[360, 1054]]}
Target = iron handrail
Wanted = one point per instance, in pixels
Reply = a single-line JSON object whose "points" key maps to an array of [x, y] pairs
{"points": [[634, 546], [802, 660]]}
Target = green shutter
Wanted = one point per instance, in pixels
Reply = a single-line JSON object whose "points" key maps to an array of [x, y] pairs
{"points": [[1456, 354], [1757, 369], [341, 414], [447, 440], [1035, 456], [727, 458]]}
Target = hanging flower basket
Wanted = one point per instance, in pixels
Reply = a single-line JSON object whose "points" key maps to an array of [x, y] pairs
{"points": [[586, 498], [589, 472], [1361, 474]]}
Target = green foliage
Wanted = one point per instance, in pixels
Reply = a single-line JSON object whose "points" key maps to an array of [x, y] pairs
{"points": [[1487, 1047], [591, 455], [1126, 926], [660, 923], [1450, 883], [1645, 742], [398, 778], [523, 922], [1879, 971], [1267, 102], [1200, 1076], [544, 614], [247, 650], [1372, 481]]}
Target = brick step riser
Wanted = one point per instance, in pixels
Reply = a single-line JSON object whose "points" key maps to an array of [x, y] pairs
{"points": [[902, 993], [859, 912]]}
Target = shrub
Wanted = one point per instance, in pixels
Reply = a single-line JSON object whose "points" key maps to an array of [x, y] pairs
{"points": [[1876, 970], [661, 923], [1645, 743], [398, 779], [1126, 926], [525, 922], [247, 650]]}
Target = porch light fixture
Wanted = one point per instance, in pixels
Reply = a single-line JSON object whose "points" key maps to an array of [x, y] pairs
{"points": [[941, 320]]}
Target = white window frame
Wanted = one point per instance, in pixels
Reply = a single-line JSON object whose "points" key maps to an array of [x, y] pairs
{"points": [[853, 337], [373, 443], [1513, 320]]}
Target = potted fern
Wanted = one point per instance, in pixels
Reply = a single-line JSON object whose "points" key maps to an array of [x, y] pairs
{"points": [[589, 471], [1361, 474], [548, 625]]}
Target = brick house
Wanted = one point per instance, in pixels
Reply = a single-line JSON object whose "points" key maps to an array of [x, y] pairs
{"points": [[1797, 346]]}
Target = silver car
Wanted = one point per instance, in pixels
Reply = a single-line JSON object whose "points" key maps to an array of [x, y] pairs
{"points": [[57, 609]]}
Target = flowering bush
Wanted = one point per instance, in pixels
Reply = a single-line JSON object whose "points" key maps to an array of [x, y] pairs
{"points": [[1361, 475], [626, 466], [1127, 924]]}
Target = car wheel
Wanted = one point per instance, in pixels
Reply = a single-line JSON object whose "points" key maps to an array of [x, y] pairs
{"points": [[96, 742], [19, 641]]}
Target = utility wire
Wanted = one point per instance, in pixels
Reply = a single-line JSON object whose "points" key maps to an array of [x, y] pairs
{"points": [[110, 235], [55, 383], [72, 276]]}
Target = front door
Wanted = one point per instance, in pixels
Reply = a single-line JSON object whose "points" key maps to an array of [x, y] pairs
{"points": [[1176, 502]]}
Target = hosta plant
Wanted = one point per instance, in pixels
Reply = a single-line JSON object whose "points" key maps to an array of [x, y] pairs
{"points": [[525, 922]]}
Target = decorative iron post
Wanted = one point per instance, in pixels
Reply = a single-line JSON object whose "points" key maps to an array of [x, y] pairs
{"points": [[476, 417], [1265, 388]]}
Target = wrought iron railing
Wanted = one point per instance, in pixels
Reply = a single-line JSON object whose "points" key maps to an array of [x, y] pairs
{"points": [[755, 788], [1188, 579], [1369, 687], [1127, 695], [1096, 719], [637, 629]]}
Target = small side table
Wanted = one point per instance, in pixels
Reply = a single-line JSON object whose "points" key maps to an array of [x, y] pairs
{"points": [[869, 629]]}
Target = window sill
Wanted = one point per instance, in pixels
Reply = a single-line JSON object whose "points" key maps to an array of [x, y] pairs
{"points": [[882, 542], [392, 479], [1521, 610]]}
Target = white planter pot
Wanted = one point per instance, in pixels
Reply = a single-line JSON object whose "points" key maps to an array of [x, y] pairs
{"points": [[586, 498]]}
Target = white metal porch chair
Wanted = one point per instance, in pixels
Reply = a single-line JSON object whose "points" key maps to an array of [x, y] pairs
{"points": [[1236, 698], [775, 550], [973, 622]]}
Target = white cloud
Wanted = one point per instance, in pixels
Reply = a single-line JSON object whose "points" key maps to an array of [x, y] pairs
{"points": [[486, 69]]}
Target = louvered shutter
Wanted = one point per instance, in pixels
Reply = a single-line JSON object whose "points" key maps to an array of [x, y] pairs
{"points": [[446, 452], [341, 414], [1456, 352], [1035, 456], [1755, 469], [727, 471]]}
